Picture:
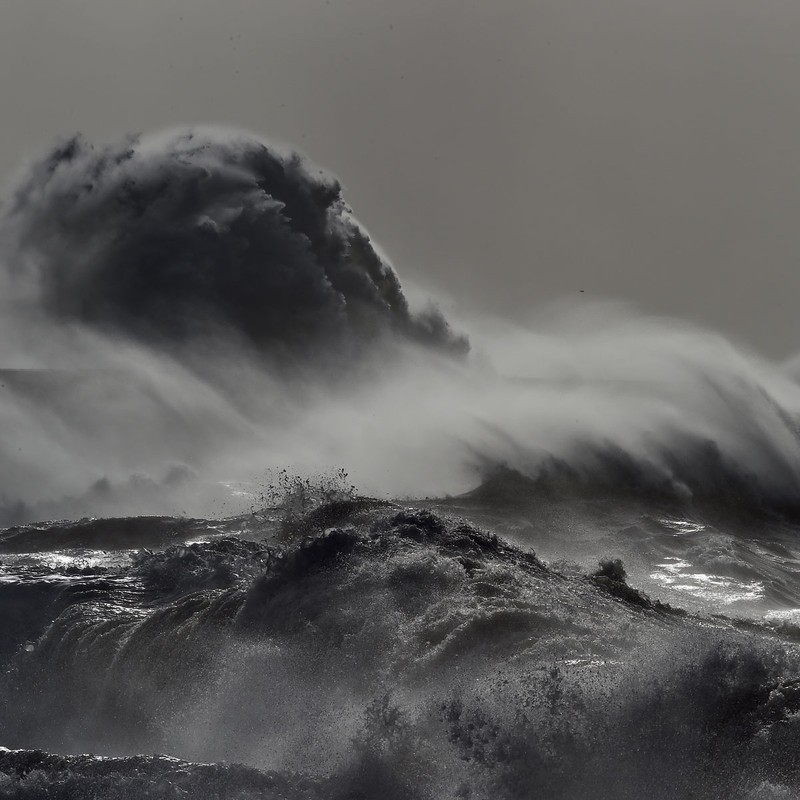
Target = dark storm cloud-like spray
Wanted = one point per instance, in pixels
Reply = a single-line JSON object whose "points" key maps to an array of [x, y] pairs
{"points": [[202, 299], [169, 237], [176, 298]]}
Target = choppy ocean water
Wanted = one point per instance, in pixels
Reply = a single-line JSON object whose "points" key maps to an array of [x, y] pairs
{"points": [[378, 649]]}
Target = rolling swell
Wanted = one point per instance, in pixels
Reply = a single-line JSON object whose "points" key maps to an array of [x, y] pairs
{"points": [[105, 534], [403, 654], [34, 775]]}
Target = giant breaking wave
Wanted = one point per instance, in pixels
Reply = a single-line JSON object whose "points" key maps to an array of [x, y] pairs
{"points": [[185, 315], [184, 310]]}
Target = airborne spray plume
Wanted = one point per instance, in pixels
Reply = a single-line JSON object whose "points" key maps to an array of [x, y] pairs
{"points": [[163, 294], [190, 308], [168, 238]]}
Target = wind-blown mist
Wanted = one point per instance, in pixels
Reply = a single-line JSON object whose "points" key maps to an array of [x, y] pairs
{"points": [[197, 307]]}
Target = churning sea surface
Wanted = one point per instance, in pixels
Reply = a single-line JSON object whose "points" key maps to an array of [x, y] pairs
{"points": [[337, 646]]}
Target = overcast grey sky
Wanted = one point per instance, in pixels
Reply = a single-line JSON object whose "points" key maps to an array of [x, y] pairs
{"points": [[508, 153]]}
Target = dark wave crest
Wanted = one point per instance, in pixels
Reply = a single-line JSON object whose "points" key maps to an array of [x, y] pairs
{"points": [[400, 654]]}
